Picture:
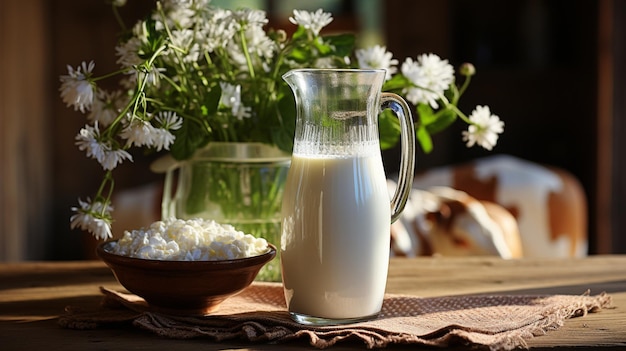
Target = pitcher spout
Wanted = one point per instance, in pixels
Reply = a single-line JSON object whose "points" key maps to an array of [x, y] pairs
{"points": [[331, 78]]}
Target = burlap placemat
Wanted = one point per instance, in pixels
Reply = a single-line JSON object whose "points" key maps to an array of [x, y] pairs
{"points": [[258, 314]]}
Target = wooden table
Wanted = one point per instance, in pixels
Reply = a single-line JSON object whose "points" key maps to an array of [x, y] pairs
{"points": [[32, 295]]}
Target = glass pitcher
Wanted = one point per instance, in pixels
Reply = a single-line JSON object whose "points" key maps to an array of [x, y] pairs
{"points": [[336, 214]]}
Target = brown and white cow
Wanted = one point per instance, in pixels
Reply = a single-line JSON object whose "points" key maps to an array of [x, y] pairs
{"points": [[548, 203], [448, 222]]}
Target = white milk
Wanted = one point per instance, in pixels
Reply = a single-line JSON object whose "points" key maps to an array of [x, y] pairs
{"points": [[335, 236]]}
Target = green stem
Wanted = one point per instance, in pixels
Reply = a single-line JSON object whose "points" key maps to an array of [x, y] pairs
{"points": [[107, 180], [111, 74], [449, 105], [244, 48], [459, 113], [109, 130], [177, 50], [207, 58], [466, 83], [173, 83], [156, 54], [111, 187], [139, 96]]}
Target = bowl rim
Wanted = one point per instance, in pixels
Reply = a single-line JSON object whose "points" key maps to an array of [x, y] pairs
{"points": [[112, 258]]}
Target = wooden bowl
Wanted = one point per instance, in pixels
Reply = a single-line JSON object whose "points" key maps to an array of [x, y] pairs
{"points": [[184, 287]]}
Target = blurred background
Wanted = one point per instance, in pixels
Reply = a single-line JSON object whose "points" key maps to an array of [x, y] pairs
{"points": [[553, 70]]}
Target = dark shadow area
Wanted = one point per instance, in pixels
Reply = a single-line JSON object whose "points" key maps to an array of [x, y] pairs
{"points": [[53, 278]]}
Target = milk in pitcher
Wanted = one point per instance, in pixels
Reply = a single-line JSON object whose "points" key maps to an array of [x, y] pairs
{"points": [[335, 235]]}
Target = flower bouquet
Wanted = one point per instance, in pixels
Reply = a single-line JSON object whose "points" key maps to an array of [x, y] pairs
{"points": [[191, 74]]}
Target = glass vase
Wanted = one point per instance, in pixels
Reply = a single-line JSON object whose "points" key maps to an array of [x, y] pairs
{"points": [[232, 183]]}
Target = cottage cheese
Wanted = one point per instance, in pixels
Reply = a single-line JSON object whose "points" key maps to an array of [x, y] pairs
{"points": [[189, 240]]}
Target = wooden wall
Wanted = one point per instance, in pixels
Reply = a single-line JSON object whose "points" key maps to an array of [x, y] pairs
{"points": [[25, 120]]}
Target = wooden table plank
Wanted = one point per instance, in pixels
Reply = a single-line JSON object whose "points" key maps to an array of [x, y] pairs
{"points": [[32, 295], [460, 276], [454, 276]]}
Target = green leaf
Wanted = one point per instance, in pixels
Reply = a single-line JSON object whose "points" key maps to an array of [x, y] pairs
{"points": [[154, 39], [435, 122], [324, 49], [189, 137], [424, 139], [397, 82], [389, 129], [212, 100], [299, 34], [343, 43], [443, 120], [282, 139], [300, 54], [425, 114]]}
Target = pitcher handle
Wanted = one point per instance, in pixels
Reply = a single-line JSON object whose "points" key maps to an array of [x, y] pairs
{"points": [[407, 145]]}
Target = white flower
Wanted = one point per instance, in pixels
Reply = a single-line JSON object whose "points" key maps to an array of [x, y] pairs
{"points": [[139, 133], [431, 76], [88, 139], [484, 129], [163, 138], [251, 17], [113, 157], [93, 217], [184, 40], [76, 88], [127, 53], [311, 21], [236, 55], [377, 57], [231, 97], [105, 107], [169, 120], [216, 31], [179, 13], [259, 43]]}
